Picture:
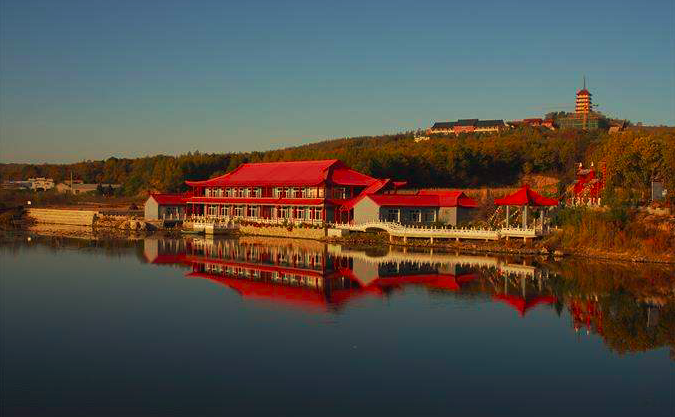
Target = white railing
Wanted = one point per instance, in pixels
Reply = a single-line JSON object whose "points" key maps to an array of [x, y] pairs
{"points": [[174, 217], [399, 230]]}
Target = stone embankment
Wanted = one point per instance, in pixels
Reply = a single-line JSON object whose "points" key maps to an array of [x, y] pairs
{"points": [[122, 222], [69, 217], [88, 218], [280, 231]]}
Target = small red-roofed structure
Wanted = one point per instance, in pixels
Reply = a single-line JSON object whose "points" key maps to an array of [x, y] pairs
{"points": [[525, 197], [449, 207], [160, 206]]}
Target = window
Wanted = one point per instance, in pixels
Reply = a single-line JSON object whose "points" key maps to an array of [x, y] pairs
{"points": [[239, 211], [340, 193], [415, 215], [391, 215], [321, 192], [300, 213], [277, 192], [317, 213], [257, 192]]}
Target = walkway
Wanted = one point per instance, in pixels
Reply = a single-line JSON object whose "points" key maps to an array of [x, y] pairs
{"points": [[401, 231]]}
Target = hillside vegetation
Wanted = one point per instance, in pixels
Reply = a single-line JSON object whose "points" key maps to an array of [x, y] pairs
{"points": [[633, 158]]}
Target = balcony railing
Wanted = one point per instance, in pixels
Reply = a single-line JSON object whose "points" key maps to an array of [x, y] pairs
{"points": [[228, 219]]}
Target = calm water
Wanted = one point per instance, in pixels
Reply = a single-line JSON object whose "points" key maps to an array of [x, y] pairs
{"points": [[200, 327]]}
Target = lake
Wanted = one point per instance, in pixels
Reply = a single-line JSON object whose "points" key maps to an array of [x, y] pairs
{"points": [[256, 326]]}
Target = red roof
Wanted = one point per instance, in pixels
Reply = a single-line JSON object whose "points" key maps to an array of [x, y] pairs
{"points": [[170, 199], [405, 200], [521, 304], [295, 173], [583, 92], [373, 188], [452, 198], [440, 281], [346, 176], [526, 197], [425, 199], [170, 258]]}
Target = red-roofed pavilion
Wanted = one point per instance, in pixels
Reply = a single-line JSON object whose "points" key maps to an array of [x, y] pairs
{"points": [[525, 197]]}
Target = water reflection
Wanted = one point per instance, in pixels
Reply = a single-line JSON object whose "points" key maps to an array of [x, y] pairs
{"points": [[631, 308], [178, 326]]}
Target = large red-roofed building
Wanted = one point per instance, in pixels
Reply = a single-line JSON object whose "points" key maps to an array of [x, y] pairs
{"points": [[325, 191]]}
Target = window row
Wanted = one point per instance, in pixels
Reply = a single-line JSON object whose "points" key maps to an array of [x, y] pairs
{"points": [[260, 192]]}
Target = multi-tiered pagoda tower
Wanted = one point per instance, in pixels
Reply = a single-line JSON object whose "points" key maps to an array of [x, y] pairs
{"points": [[584, 104], [583, 117]]}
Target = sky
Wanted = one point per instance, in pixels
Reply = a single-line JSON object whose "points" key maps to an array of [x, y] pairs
{"points": [[91, 79]]}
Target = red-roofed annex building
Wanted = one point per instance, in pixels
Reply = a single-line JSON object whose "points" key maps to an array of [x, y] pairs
{"points": [[325, 191], [166, 207]]}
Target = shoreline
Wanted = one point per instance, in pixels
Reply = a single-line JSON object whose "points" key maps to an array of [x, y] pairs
{"points": [[512, 247], [500, 248]]}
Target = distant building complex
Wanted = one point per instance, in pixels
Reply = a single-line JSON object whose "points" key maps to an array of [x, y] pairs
{"points": [[467, 126], [583, 118]]}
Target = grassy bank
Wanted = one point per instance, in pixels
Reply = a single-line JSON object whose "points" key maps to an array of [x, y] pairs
{"points": [[616, 232]]}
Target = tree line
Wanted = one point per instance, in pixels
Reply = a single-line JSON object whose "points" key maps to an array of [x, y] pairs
{"points": [[469, 160]]}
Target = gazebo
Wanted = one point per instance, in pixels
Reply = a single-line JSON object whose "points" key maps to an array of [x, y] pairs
{"points": [[525, 198]]}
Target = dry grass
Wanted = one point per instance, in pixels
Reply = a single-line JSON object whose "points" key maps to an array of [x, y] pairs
{"points": [[615, 230]]}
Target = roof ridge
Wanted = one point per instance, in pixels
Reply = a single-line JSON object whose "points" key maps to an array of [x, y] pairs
{"points": [[290, 162]]}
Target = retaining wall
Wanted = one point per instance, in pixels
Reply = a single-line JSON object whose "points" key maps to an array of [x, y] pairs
{"points": [[57, 216], [279, 231]]}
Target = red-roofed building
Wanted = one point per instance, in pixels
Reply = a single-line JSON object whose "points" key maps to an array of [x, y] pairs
{"points": [[166, 206], [449, 207], [314, 192]]}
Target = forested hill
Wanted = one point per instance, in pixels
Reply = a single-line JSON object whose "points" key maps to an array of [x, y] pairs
{"points": [[468, 161]]}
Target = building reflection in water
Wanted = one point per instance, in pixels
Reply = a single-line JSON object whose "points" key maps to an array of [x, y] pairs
{"points": [[632, 310], [326, 277]]}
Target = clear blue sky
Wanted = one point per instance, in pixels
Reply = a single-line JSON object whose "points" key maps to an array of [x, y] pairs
{"points": [[91, 79]]}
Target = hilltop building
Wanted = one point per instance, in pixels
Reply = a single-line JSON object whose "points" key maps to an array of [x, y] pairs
{"points": [[533, 122], [317, 192], [584, 117], [467, 126]]}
